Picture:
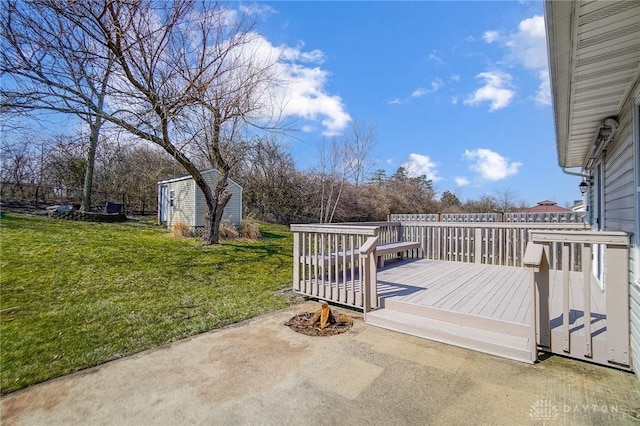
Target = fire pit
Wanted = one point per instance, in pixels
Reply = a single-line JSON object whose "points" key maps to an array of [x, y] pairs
{"points": [[320, 323]]}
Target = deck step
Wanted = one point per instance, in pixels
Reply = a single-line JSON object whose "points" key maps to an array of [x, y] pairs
{"points": [[499, 344], [482, 323]]}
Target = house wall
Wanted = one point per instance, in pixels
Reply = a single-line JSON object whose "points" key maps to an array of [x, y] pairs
{"points": [[182, 209], [232, 211], [621, 204], [635, 250]]}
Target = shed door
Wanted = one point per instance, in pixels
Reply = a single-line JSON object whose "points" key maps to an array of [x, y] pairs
{"points": [[162, 205]]}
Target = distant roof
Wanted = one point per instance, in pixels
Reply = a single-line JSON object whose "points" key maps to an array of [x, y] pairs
{"points": [[546, 206]]}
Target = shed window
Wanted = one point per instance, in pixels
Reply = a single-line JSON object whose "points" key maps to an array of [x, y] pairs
{"points": [[172, 195]]}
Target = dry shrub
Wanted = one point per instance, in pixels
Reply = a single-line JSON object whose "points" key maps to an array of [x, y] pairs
{"points": [[250, 231], [227, 230], [181, 230]]}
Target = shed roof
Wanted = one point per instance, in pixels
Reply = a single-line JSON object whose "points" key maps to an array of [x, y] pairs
{"points": [[188, 177]]}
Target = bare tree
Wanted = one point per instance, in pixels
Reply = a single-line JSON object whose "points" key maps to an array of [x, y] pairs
{"points": [[359, 143], [333, 176], [270, 182], [484, 204], [54, 67], [181, 77], [507, 200]]}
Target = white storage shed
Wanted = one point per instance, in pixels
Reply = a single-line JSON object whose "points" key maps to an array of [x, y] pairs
{"points": [[180, 200]]}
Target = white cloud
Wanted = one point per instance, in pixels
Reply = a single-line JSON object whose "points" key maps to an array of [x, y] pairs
{"points": [[455, 77], [497, 90], [299, 91], [491, 165], [419, 92], [543, 95], [462, 181], [528, 45], [306, 98], [418, 165], [435, 85], [257, 9], [525, 47], [297, 54], [490, 36], [435, 58]]}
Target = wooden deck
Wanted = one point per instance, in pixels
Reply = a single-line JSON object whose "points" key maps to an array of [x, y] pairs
{"points": [[481, 307]]}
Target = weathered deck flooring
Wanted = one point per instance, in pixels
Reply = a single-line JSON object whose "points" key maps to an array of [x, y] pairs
{"points": [[499, 292], [481, 307]]}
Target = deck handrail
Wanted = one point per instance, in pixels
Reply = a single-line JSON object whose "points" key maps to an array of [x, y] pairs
{"points": [[494, 243], [517, 225], [336, 228], [336, 262], [615, 286], [369, 273]]}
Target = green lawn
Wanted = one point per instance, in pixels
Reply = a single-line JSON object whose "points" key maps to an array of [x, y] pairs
{"points": [[77, 294]]}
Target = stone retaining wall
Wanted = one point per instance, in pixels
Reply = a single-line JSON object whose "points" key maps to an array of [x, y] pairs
{"points": [[88, 216]]}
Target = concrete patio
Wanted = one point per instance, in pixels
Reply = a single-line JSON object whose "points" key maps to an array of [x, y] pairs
{"points": [[261, 372]]}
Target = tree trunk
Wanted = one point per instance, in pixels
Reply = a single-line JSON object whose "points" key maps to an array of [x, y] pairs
{"points": [[88, 176], [94, 134], [213, 217]]}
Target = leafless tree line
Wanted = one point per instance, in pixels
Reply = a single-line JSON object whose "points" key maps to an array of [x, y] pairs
{"points": [[42, 172], [184, 75]]}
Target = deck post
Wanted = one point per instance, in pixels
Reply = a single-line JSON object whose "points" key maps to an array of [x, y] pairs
{"points": [[566, 307], [543, 317], [369, 278], [616, 272], [586, 283], [535, 258], [296, 260], [477, 250]]}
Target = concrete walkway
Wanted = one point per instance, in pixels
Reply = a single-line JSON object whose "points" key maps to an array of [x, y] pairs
{"points": [[260, 372]]}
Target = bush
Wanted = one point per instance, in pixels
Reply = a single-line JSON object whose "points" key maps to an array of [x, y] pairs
{"points": [[250, 231], [227, 230], [181, 230]]}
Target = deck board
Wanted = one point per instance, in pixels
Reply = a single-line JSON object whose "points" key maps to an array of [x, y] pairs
{"points": [[478, 289], [489, 291], [489, 298], [421, 296]]}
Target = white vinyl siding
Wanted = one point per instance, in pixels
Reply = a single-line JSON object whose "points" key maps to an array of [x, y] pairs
{"points": [[621, 205], [188, 201], [621, 209], [232, 211], [634, 291], [182, 209]]}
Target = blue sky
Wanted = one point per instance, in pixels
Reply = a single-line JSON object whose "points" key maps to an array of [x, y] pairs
{"points": [[456, 90]]}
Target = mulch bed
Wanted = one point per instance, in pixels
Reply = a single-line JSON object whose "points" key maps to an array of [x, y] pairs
{"points": [[299, 324]]}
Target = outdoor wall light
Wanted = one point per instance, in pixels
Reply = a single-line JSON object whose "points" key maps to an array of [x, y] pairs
{"points": [[584, 185]]}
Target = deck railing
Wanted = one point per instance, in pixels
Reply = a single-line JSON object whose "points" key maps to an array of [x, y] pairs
{"points": [[330, 262], [612, 250], [492, 243], [548, 217], [337, 262]]}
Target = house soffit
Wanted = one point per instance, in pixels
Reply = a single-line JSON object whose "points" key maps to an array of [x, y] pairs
{"points": [[594, 52]]}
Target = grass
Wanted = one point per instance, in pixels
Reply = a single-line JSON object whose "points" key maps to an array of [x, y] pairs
{"points": [[74, 295]]}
